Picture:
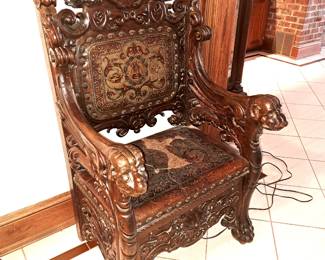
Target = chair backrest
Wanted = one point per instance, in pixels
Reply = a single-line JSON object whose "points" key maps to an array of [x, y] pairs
{"points": [[130, 58]]}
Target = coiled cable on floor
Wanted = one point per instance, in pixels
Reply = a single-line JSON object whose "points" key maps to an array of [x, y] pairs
{"points": [[275, 188]]}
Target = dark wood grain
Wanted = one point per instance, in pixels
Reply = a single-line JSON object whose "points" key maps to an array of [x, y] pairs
{"points": [[221, 16], [237, 68], [257, 24]]}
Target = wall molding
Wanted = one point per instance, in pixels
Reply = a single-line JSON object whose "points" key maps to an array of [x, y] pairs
{"points": [[27, 225]]}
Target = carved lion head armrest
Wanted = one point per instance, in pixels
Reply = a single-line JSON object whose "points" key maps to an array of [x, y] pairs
{"points": [[266, 111], [128, 171]]}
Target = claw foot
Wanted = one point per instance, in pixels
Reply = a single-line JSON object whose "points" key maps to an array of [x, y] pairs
{"points": [[243, 232]]}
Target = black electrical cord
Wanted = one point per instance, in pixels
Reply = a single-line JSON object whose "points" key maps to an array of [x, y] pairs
{"points": [[275, 183], [275, 188]]}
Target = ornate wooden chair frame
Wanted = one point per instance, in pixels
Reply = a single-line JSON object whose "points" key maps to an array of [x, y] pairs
{"points": [[111, 166]]}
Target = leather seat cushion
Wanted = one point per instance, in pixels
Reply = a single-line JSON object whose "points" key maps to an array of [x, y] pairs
{"points": [[177, 157]]}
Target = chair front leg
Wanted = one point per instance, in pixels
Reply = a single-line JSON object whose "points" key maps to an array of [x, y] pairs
{"points": [[126, 227], [264, 112], [240, 223], [129, 179]]}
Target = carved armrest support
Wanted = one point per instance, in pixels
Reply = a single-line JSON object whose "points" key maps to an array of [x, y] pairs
{"points": [[242, 115], [121, 165], [265, 111], [128, 171], [245, 113]]}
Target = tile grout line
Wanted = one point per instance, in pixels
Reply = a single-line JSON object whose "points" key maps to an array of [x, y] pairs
{"points": [[290, 224], [297, 158], [298, 225], [24, 253], [309, 85], [297, 186], [271, 223], [311, 165], [323, 138]]}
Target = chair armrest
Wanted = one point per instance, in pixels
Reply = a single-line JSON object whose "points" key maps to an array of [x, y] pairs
{"points": [[238, 116], [101, 157], [237, 112]]}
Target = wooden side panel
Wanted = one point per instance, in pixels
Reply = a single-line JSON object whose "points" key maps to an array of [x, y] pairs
{"points": [[221, 16], [257, 24], [33, 223]]}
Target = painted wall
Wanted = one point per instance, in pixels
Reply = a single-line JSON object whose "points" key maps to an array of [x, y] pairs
{"points": [[32, 166]]}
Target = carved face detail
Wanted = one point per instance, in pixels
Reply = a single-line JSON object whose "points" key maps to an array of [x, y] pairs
{"points": [[267, 110], [130, 174]]}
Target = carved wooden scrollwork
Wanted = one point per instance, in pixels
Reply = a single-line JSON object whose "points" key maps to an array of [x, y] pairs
{"points": [[188, 228], [97, 223], [72, 24]]}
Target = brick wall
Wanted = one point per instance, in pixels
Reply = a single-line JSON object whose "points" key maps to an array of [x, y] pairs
{"points": [[295, 27]]}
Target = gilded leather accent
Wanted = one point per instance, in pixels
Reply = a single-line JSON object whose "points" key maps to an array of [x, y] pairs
{"points": [[177, 157], [130, 73]]}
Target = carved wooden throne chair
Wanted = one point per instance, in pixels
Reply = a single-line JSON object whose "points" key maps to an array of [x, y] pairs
{"points": [[116, 64]]}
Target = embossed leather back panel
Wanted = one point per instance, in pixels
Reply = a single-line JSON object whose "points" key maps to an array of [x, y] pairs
{"points": [[128, 72]]}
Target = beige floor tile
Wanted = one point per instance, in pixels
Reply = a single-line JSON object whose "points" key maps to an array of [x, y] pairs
{"points": [[52, 246], [301, 98], [317, 77], [289, 130], [254, 88], [288, 76], [283, 146], [286, 73], [93, 254], [315, 148], [308, 112], [296, 86], [286, 210], [314, 72], [310, 128], [321, 98], [17, 255], [194, 252], [226, 247], [322, 62], [319, 168], [318, 88], [303, 174], [259, 201], [299, 243]]}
